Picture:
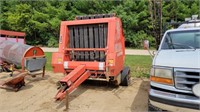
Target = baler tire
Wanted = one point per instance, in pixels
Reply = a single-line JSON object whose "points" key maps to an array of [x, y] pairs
{"points": [[125, 76]]}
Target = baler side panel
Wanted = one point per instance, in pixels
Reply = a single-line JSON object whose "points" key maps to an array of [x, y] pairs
{"points": [[57, 62], [119, 48], [116, 51], [59, 57], [111, 43], [64, 38]]}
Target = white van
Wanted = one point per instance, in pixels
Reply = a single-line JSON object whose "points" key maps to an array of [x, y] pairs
{"points": [[175, 73]]}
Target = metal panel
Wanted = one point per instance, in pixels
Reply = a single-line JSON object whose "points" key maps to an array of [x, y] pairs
{"points": [[71, 35], [90, 65], [105, 34], [81, 32], [12, 52], [76, 42], [88, 36], [96, 35], [102, 54], [86, 41], [91, 41], [35, 64]]}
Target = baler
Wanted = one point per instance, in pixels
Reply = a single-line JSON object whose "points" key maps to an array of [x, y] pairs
{"points": [[90, 47]]}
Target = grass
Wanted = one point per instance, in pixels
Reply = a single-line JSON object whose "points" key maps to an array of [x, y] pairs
{"points": [[139, 65], [48, 64]]}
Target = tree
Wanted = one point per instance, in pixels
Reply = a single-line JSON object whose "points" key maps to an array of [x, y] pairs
{"points": [[41, 19]]}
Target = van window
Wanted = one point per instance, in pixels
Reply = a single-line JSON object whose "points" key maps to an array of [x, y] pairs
{"points": [[182, 40]]}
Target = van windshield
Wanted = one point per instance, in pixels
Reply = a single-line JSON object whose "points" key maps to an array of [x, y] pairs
{"points": [[182, 40]]}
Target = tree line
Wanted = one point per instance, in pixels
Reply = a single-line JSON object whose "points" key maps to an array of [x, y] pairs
{"points": [[41, 19]]}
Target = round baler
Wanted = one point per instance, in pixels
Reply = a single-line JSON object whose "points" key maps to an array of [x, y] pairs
{"points": [[90, 47]]}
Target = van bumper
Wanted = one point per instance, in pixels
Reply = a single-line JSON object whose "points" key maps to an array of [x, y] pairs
{"points": [[170, 101], [171, 107]]}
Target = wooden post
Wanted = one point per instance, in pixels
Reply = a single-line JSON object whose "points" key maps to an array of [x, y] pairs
{"points": [[67, 101], [43, 73]]}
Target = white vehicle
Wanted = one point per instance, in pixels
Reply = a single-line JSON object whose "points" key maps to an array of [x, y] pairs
{"points": [[175, 73]]}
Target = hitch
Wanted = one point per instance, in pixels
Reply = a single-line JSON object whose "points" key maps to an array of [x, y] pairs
{"points": [[70, 82]]}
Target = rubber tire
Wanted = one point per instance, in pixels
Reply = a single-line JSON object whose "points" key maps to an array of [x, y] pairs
{"points": [[125, 76], [152, 108]]}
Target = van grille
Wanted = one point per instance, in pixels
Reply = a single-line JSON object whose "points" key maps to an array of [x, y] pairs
{"points": [[185, 80]]}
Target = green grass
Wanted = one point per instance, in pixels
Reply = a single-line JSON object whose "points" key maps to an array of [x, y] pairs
{"points": [[48, 64], [139, 65]]}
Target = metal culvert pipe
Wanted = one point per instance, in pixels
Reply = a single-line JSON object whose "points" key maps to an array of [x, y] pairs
{"points": [[12, 52], [30, 57]]}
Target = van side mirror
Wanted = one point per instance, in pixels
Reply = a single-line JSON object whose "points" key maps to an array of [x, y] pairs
{"points": [[146, 47], [146, 44]]}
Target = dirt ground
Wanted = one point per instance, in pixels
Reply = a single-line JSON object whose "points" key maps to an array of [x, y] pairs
{"points": [[37, 96]]}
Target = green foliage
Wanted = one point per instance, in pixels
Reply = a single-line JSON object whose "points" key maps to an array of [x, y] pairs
{"points": [[136, 40], [41, 19], [52, 42]]}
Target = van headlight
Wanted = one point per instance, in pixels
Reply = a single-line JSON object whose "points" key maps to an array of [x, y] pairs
{"points": [[162, 75]]}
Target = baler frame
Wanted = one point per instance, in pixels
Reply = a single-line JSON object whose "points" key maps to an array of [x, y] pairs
{"points": [[79, 38]]}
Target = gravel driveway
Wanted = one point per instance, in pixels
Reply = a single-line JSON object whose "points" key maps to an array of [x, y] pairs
{"points": [[37, 96]]}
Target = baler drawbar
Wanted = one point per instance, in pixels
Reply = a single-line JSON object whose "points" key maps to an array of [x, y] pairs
{"points": [[72, 81]]}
